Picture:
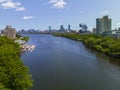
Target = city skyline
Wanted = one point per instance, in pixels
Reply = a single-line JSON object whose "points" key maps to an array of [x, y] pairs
{"points": [[40, 14]]}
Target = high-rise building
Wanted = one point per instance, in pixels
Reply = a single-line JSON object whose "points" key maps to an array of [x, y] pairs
{"points": [[103, 25], [62, 28], [69, 27], [83, 28], [49, 28]]}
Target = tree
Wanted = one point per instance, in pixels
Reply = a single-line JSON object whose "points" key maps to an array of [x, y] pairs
{"points": [[13, 74]]}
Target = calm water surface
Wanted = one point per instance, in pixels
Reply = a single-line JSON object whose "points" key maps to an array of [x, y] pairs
{"points": [[61, 64]]}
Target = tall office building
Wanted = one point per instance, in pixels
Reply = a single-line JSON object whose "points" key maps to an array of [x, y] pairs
{"points": [[103, 25], [69, 27], [49, 28], [62, 28], [83, 27]]}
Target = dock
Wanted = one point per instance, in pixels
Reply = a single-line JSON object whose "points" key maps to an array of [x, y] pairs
{"points": [[26, 47]]}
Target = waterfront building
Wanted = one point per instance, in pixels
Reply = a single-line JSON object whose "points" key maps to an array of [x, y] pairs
{"points": [[9, 32], [116, 33], [94, 31], [103, 25]]}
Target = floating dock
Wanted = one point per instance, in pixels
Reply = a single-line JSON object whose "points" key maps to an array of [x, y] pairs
{"points": [[26, 47]]}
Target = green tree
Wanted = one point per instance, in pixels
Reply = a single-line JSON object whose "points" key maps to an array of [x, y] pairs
{"points": [[14, 75]]}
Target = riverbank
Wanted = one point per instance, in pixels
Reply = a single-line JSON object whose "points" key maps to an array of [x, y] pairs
{"points": [[14, 75], [107, 45]]}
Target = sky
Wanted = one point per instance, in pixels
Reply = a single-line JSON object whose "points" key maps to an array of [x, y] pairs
{"points": [[39, 14]]}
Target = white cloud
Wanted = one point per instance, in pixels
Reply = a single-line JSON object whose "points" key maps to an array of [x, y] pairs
{"points": [[58, 3], [20, 9], [2, 1], [5, 0], [53, 1], [28, 17], [9, 4]]}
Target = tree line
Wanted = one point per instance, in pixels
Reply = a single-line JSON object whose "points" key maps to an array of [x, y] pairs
{"points": [[105, 44], [14, 75]]}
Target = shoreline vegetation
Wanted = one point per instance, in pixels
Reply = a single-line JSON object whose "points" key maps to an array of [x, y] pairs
{"points": [[104, 44], [14, 75], [23, 43], [19, 37]]}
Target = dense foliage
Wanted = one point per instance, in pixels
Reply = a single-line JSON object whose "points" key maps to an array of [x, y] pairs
{"points": [[18, 35], [107, 45], [13, 74], [25, 38]]}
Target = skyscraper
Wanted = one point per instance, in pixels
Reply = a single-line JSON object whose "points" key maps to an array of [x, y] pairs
{"points": [[83, 27], [69, 27], [49, 28], [62, 28], [103, 25]]}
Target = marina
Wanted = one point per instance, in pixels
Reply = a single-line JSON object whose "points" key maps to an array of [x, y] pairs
{"points": [[26, 47]]}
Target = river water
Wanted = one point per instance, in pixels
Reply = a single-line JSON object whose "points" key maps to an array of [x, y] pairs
{"points": [[62, 64]]}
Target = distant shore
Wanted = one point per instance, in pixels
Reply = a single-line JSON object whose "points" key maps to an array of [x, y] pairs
{"points": [[107, 45]]}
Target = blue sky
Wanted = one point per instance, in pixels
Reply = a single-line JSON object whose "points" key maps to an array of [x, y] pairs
{"points": [[39, 14]]}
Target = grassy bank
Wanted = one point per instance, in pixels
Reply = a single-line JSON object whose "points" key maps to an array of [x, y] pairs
{"points": [[107, 45]]}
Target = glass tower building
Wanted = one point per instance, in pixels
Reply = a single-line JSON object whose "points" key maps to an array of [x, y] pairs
{"points": [[103, 25]]}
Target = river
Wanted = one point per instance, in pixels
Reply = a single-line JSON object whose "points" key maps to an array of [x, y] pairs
{"points": [[62, 64]]}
